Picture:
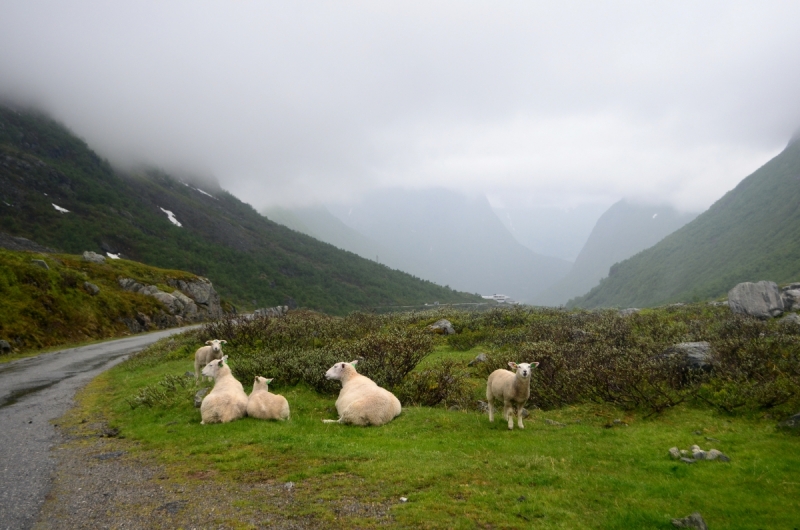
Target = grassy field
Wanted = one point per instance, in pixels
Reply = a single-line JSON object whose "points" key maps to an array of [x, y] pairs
{"points": [[457, 470]]}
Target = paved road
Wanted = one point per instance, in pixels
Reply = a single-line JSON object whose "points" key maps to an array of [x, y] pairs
{"points": [[33, 392]]}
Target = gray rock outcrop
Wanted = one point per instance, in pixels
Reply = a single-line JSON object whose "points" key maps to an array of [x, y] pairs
{"points": [[690, 355], [480, 358], [5, 347], [91, 288], [443, 326], [93, 257], [792, 424], [694, 521], [791, 297], [277, 311], [40, 263], [761, 300], [193, 301], [629, 311], [10, 242]]}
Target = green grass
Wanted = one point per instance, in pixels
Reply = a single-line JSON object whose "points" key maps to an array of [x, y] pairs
{"points": [[459, 471]]}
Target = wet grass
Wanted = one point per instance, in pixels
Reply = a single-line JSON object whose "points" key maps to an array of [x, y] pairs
{"points": [[459, 471]]}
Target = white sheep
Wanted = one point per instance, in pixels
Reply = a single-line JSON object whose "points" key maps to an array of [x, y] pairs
{"points": [[265, 405], [227, 400], [206, 354], [514, 388], [361, 401]]}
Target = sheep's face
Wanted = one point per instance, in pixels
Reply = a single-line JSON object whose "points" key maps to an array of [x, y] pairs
{"points": [[523, 370], [212, 368], [338, 370], [216, 345]]}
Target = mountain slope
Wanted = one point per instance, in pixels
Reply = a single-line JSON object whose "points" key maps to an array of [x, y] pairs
{"points": [[622, 231], [251, 260], [752, 233], [448, 238]]}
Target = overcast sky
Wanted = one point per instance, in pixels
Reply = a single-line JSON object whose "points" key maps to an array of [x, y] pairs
{"points": [[557, 103]]}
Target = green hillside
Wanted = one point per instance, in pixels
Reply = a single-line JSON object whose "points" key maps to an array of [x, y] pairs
{"points": [[752, 233], [49, 306], [251, 260]]}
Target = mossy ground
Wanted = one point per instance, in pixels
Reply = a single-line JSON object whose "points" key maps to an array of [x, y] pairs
{"points": [[459, 471]]}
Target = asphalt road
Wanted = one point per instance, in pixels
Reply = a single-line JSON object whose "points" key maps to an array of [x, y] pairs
{"points": [[33, 392]]}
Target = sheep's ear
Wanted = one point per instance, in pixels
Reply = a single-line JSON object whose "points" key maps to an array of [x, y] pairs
{"points": [[269, 380], [224, 358], [223, 342], [534, 365], [208, 342], [354, 362], [512, 365]]}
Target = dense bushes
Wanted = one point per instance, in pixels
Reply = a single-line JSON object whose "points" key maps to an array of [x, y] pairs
{"points": [[598, 356]]}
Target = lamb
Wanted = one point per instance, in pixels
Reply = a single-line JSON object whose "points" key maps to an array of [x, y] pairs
{"points": [[206, 354], [361, 401], [227, 400], [513, 387], [264, 405]]}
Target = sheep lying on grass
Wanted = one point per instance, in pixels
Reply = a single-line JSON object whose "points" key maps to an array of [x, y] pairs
{"points": [[206, 354], [514, 388], [227, 400], [361, 401], [265, 405]]}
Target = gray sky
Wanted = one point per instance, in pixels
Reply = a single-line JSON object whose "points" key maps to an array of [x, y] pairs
{"points": [[557, 103]]}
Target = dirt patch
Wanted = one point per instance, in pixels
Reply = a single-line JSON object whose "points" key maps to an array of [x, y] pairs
{"points": [[103, 482]]}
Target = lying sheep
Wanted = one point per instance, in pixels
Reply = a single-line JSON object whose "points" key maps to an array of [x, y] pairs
{"points": [[265, 405], [361, 401], [206, 354], [514, 388], [227, 400]]}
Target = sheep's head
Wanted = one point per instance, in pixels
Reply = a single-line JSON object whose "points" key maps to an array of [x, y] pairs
{"points": [[261, 382], [216, 344], [523, 370], [338, 370], [213, 368]]}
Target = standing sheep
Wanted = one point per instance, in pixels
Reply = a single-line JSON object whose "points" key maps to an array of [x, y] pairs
{"points": [[206, 354], [227, 400], [361, 401], [514, 388], [264, 405]]}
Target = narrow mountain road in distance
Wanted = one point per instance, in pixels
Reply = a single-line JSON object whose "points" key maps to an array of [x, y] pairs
{"points": [[33, 392]]}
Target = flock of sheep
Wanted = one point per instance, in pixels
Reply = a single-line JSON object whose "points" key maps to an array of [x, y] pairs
{"points": [[361, 401]]}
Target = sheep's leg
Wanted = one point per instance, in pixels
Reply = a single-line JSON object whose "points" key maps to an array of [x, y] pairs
{"points": [[332, 421], [519, 417], [508, 413], [489, 399]]}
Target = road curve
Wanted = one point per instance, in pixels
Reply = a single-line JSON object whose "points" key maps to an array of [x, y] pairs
{"points": [[33, 392]]}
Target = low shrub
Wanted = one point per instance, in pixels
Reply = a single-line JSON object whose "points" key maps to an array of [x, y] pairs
{"points": [[444, 382]]}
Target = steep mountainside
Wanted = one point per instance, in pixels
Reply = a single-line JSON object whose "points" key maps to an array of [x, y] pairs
{"points": [[44, 170], [622, 231], [448, 238], [752, 233]]}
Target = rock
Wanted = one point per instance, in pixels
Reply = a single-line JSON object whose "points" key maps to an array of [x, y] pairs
{"points": [[92, 257], [482, 406], [761, 300], [199, 395], [688, 460], [178, 304], [202, 292], [480, 358], [91, 288], [674, 453], [694, 521], [713, 454], [792, 319], [443, 327], [554, 423], [791, 299], [5, 347], [524, 413], [723, 457], [277, 311], [629, 311], [791, 424], [690, 355], [188, 374], [40, 263], [129, 284], [20, 243], [699, 455], [454, 408]]}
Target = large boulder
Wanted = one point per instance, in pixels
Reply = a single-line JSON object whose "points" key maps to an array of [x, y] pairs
{"points": [[181, 303], [93, 257], [202, 292], [443, 327], [761, 300], [791, 424], [791, 297], [691, 355]]}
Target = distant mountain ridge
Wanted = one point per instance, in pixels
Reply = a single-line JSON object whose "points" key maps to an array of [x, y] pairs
{"points": [[752, 233], [622, 231], [448, 238], [45, 169]]}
